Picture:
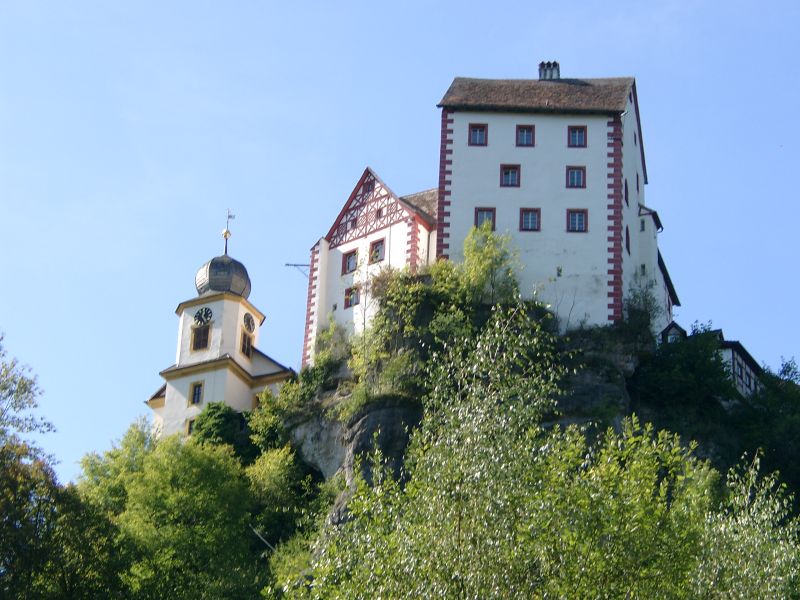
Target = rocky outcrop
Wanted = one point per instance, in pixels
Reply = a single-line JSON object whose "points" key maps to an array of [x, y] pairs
{"points": [[331, 446]]}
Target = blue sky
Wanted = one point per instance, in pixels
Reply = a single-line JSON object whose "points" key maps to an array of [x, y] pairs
{"points": [[128, 129]]}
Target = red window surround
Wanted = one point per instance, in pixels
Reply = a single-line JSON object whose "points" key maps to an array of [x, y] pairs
{"points": [[349, 262], [577, 220], [576, 136], [351, 297], [526, 136], [377, 250], [510, 175], [478, 134], [530, 219], [483, 213], [576, 177]]}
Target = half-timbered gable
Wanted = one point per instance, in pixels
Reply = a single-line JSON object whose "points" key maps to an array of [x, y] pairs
{"points": [[375, 229]]}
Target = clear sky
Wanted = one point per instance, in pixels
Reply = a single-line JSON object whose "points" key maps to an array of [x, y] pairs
{"points": [[128, 128]]}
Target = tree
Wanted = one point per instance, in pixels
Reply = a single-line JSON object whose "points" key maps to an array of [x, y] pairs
{"points": [[19, 394], [218, 424], [488, 265], [187, 515], [28, 491]]}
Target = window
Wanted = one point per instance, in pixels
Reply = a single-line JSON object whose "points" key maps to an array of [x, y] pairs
{"points": [[376, 250], [482, 215], [637, 183], [634, 139], [367, 187], [509, 175], [577, 220], [247, 344], [641, 225], [576, 136], [525, 135], [189, 426], [196, 392], [748, 381], [378, 213], [478, 134], [627, 240], [529, 219], [349, 262], [739, 369], [643, 270], [200, 337], [576, 177], [626, 193], [351, 297]]}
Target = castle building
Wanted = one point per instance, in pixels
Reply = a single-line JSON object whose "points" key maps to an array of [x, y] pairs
{"points": [[558, 164], [217, 358]]}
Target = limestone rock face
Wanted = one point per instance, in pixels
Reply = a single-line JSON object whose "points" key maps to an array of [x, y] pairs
{"points": [[331, 446]]}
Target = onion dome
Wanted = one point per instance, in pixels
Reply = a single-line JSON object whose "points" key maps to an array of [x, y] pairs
{"points": [[223, 274]]}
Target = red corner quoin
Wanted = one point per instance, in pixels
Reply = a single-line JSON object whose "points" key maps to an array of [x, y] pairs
{"points": [[614, 219]]}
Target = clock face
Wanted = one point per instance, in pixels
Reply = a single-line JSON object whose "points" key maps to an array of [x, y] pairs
{"points": [[203, 316], [249, 322]]}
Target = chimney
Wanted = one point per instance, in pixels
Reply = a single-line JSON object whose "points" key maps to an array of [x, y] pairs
{"points": [[549, 70]]}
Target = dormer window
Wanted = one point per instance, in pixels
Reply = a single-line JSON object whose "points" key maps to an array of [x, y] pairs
{"points": [[200, 337]]}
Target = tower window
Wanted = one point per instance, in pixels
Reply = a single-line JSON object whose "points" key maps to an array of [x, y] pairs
{"points": [[196, 392], [627, 240], [576, 136], [525, 135], [509, 175], [478, 134], [189, 426], [247, 344], [641, 225], [577, 220], [529, 219], [200, 337], [482, 215], [576, 177]]}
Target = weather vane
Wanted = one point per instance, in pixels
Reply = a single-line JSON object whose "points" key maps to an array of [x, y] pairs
{"points": [[226, 233]]}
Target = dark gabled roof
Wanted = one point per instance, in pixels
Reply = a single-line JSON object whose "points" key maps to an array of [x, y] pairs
{"points": [[423, 204], [668, 280], [672, 325], [587, 96], [737, 347], [644, 212], [160, 393]]}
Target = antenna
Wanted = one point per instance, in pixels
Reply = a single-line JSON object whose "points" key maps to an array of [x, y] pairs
{"points": [[299, 267], [226, 233]]}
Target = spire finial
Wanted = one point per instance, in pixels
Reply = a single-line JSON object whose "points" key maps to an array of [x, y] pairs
{"points": [[226, 233]]}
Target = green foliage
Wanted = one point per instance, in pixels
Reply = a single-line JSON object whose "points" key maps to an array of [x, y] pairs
{"points": [[769, 419], [187, 516], [28, 491], [219, 424], [282, 488], [267, 429], [104, 479], [488, 265], [87, 554], [19, 395], [749, 547]]}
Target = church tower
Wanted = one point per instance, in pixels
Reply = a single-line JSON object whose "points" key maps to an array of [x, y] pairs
{"points": [[217, 358]]}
